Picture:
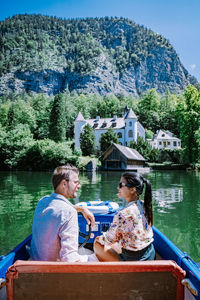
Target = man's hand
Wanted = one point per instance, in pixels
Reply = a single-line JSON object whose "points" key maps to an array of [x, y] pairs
{"points": [[88, 215]]}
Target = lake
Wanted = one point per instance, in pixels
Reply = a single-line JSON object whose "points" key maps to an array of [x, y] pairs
{"points": [[176, 203]]}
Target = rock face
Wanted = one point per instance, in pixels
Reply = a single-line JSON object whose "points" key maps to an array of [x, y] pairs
{"points": [[160, 69], [168, 73]]}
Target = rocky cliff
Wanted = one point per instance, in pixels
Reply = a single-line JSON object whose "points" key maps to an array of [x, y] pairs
{"points": [[107, 55]]}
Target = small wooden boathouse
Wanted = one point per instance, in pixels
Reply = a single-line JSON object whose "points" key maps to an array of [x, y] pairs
{"points": [[118, 157]]}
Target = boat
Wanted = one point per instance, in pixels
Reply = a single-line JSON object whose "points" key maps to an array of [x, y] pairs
{"points": [[173, 275]]}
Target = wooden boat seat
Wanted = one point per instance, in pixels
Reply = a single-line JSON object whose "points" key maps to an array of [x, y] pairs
{"points": [[150, 280]]}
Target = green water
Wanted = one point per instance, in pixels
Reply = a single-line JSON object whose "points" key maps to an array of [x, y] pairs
{"points": [[176, 203]]}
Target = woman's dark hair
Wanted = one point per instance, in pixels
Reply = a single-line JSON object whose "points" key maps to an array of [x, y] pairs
{"points": [[136, 180]]}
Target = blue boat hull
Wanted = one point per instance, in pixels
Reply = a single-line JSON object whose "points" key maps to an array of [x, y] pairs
{"points": [[164, 248]]}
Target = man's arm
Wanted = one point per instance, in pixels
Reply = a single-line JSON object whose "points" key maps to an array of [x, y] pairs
{"points": [[88, 215], [68, 234]]}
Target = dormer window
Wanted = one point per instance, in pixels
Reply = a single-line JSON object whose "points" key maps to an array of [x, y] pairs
{"points": [[119, 135], [95, 125], [104, 124]]}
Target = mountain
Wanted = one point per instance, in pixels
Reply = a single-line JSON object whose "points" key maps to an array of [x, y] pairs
{"points": [[93, 55]]}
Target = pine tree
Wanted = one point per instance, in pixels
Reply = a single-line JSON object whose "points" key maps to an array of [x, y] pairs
{"points": [[108, 139], [88, 141], [57, 128]]}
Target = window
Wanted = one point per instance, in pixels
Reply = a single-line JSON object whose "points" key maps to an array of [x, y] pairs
{"points": [[104, 124], [168, 143], [160, 143], [130, 133], [130, 124], [175, 143], [119, 135]]}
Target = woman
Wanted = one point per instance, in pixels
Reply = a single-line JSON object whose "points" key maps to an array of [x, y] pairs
{"points": [[130, 236]]}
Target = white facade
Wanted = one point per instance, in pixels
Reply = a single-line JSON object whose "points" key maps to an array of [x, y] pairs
{"points": [[165, 139], [127, 127]]}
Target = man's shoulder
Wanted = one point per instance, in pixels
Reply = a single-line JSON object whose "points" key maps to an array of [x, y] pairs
{"points": [[56, 207], [57, 202]]}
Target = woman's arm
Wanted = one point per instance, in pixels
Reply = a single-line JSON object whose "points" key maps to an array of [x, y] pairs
{"points": [[105, 253]]}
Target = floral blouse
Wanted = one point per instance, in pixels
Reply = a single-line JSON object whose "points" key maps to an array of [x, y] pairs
{"points": [[129, 228]]}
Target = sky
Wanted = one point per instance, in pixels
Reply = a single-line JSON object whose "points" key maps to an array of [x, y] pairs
{"points": [[176, 20]]}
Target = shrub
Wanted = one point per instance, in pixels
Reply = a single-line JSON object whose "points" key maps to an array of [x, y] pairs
{"points": [[174, 156], [14, 146], [47, 154]]}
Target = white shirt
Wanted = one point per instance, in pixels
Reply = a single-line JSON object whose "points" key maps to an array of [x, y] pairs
{"points": [[55, 231]]}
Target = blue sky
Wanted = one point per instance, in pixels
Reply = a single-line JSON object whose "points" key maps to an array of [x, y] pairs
{"points": [[176, 20]]}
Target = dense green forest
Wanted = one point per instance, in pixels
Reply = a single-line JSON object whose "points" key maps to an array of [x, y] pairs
{"points": [[36, 41], [36, 132]]}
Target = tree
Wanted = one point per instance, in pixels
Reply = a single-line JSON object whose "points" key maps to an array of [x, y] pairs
{"points": [[148, 109], [21, 112], [188, 115], [168, 119], [15, 144], [108, 139], [148, 134], [197, 137], [4, 108], [3, 136], [145, 149], [57, 128], [42, 107], [88, 141], [108, 106]]}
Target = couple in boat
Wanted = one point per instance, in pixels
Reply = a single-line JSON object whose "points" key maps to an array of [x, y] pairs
{"points": [[55, 222]]}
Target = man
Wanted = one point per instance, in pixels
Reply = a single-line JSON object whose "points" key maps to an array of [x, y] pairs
{"points": [[55, 223]]}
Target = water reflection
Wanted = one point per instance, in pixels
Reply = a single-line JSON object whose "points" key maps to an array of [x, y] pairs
{"points": [[177, 208], [176, 203], [165, 198]]}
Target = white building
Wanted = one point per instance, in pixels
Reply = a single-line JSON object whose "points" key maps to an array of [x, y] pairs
{"points": [[165, 139], [127, 127]]}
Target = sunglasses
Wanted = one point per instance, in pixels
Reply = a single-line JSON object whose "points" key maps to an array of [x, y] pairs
{"points": [[121, 184]]}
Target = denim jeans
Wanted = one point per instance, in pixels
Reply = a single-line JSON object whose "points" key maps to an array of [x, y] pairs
{"points": [[147, 253]]}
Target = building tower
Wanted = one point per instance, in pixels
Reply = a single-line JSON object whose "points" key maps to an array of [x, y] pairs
{"points": [[131, 129], [79, 123]]}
